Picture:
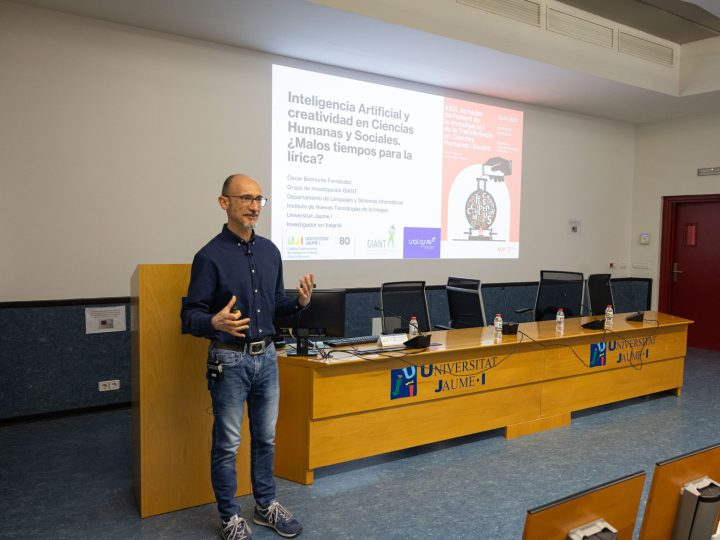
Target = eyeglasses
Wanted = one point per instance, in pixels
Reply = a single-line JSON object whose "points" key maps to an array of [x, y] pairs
{"points": [[247, 200]]}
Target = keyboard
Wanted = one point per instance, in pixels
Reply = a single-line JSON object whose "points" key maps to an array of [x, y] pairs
{"points": [[341, 342]]}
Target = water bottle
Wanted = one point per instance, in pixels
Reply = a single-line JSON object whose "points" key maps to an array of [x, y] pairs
{"points": [[497, 323], [608, 317], [560, 320], [413, 326]]}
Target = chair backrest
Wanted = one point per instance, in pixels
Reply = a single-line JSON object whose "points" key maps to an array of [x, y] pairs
{"points": [[464, 283], [559, 289], [599, 293], [401, 300], [465, 303]]}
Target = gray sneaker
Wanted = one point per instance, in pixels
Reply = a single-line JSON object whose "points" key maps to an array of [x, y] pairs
{"points": [[277, 517], [236, 528]]}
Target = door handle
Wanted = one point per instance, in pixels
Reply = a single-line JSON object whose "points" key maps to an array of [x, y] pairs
{"points": [[675, 272]]}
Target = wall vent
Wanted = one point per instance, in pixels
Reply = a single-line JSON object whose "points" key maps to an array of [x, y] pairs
{"points": [[578, 28], [645, 49], [518, 10], [709, 171]]}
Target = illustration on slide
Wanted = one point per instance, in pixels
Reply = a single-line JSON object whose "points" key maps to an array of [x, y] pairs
{"points": [[480, 207]]}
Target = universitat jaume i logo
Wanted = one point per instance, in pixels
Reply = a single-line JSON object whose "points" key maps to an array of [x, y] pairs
{"points": [[295, 241], [403, 382], [598, 354]]}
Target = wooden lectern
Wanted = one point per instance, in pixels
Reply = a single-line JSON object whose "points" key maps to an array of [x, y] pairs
{"points": [[171, 406]]}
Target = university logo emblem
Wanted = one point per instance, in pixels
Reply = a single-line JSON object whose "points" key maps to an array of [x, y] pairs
{"points": [[403, 382], [598, 354]]}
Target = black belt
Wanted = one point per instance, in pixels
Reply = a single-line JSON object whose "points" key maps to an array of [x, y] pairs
{"points": [[250, 347]]}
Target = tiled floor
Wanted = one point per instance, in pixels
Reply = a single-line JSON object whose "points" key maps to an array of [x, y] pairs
{"points": [[70, 477]]}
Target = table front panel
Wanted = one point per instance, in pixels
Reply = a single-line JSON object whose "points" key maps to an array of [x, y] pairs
{"points": [[394, 383], [342, 438]]}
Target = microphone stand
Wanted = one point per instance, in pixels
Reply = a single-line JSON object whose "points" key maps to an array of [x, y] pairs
{"points": [[421, 341], [595, 324]]}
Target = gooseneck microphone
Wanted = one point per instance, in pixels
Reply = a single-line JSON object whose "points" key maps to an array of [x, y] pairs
{"points": [[403, 329], [595, 324], [638, 316], [421, 341]]}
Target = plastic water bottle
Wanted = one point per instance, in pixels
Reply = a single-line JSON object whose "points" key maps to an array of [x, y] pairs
{"points": [[497, 323], [560, 320], [413, 326], [608, 317]]}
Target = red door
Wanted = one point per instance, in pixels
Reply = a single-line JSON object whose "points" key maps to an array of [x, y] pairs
{"points": [[690, 266]]}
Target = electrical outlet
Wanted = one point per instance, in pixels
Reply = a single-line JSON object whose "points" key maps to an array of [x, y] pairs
{"points": [[107, 386]]}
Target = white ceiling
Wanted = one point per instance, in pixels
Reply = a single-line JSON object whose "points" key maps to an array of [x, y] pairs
{"points": [[309, 31]]}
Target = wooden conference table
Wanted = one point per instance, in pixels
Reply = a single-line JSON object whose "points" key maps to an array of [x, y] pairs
{"points": [[467, 381]]}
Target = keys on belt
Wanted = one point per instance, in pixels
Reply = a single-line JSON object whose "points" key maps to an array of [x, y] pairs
{"points": [[250, 347]]}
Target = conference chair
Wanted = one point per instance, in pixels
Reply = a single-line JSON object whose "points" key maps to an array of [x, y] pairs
{"points": [[465, 303], [607, 511], [599, 293], [557, 289], [400, 300]]}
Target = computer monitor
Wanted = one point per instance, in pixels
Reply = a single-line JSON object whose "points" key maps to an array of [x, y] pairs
{"points": [[614, 503], [324, 317], [665, 499]]}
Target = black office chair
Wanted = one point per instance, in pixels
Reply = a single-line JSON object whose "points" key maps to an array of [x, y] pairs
{"points": [[557, 289], [400, 300], [599, 293], [465, 303]]}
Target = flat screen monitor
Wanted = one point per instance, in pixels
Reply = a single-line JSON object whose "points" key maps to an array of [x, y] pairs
{"points": [[668, 479], [616, 502], [324, 317]]}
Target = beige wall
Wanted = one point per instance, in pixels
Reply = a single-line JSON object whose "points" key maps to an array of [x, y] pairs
{"points": [[668, 155], [115, 141]]}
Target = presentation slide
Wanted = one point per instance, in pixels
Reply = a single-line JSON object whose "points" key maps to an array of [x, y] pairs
{"points": [[367, 171]]}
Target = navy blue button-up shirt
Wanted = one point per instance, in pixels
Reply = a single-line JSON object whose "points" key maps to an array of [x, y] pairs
{"points": [[252, 271]]}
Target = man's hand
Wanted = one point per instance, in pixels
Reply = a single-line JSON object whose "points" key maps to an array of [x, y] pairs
{"points": [[228, 320], [305, 289]]}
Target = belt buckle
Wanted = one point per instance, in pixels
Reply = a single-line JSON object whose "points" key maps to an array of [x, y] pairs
{"points": [[257, 347]]}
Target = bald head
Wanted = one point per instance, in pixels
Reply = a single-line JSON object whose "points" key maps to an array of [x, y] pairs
{"points": [[238, 181], [242, 200]]}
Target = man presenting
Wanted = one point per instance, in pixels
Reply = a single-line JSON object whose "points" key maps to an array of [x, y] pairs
{"points": [[236, 287]]}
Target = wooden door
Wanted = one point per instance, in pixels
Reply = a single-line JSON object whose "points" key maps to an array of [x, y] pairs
{"points": [[690, 265]]}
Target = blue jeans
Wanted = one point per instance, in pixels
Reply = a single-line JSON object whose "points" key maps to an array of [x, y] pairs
{"points": [[252, 379]]}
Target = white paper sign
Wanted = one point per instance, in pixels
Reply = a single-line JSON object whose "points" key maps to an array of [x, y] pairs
{"points": [[391, 340], [104, 319]]}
